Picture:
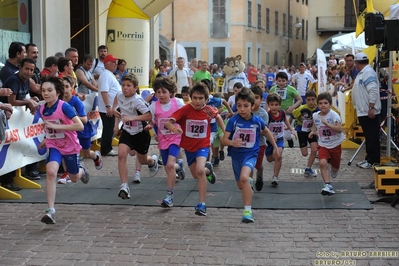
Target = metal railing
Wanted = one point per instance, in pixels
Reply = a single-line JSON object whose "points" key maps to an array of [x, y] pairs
{"points": [[336, 23]]}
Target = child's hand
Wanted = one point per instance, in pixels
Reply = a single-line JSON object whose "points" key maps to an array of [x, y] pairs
{"points": [[177, 130], [237, 143], [126, 118], [42, 144], [293, 132], [324, 121], [116, 113], [148, 127]]}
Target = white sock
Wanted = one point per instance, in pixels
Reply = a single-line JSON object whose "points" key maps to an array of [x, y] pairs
{"points": [[247, 208]]}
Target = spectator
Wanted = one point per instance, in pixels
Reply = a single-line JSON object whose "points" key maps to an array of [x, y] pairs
{"points": [[50, 67], [98, 63], [86, 82], [120, 70]]}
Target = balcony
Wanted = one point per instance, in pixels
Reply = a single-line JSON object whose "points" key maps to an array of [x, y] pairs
{"points": [[335, 24], [219, 29]]}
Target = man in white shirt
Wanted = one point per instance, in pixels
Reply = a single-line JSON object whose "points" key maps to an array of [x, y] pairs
{"points": [[181, 75], [301, 81], [108, 87], [98, 63]]}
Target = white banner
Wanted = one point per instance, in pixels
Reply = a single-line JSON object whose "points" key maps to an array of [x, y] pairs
{"points": [[25, 131], [321, 71]]}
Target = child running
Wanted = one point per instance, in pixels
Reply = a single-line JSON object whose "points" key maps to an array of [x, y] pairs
{"points": [[61, 140], [277, 122], [304, 117], [133, 113], [242, 136], [194, 120], [168, 142], [327, 125]]}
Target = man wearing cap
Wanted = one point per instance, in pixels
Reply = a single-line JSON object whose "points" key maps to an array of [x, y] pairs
{"points": [[108, 87], [366, 99], [301, 81]]}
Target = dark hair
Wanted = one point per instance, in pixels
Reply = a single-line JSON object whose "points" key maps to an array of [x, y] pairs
{"points": [[15, 48], [27, 46], [310, 93], [273, 97], [62, 62], [27, 60], [133, 79], [70, 80], [208, 83], [246, 95], [51, 60], [70, 49], [200, 88], [257, 91], [324, 96], [185, 89], [349, 55], [101, 47], [164, 82], [120, 61], [88, 57], [58, 85], [282, 75], [238, 85]]}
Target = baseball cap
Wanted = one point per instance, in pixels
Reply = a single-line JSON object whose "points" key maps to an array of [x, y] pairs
{"points": [[360, 57], [302, 64], [109, 58]]}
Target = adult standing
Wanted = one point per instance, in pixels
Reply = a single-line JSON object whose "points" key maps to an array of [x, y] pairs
{"points": [[181, 75], [72, 54], [50, 67], [366, 99], [154, 72], [33, 52], [16, 52], [108, 87], [351, 68], [98, 64], [193, 66], [86, 82]]}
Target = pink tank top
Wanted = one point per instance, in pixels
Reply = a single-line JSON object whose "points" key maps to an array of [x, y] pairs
{"points": [[65, 141], [166, 137]]}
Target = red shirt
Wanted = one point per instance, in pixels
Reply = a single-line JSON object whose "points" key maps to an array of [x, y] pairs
{"points": [[195, 125], [251, 77]]}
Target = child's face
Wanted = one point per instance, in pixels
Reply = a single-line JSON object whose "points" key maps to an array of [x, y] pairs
{"points": [[281, 83], [185, 96], [260, 85], [311, 101], [67, 89], [236, 90], [49, 94], [244, 108], [324, 106], [198, 100], [274, 106], [128, 89], [258, 101], [163, 95]]}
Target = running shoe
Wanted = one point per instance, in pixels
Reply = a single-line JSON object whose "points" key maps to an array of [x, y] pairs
{"points": [[49, 217], [309, 172], [124, 191], [180, 173], [137, 178], [212, 176], [333, 174], [327, 190], [247, 217], [200, 209], [99, 162], [85, 176], [259, 184], [275, 181], [154, 169], [168, 201]]}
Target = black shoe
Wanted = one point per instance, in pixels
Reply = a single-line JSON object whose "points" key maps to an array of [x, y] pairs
{"points": [[221, 155], [215, 162], [33, 175], [12, 187], [259, 184], [290, 143]]}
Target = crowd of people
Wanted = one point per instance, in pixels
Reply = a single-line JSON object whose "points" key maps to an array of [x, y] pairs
{"points": [[253, 118]]}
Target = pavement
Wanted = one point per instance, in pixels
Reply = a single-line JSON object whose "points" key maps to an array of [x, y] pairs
{"points": [[129, 235]]}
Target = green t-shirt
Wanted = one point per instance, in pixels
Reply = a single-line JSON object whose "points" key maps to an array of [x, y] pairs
{"points": [[288, 94], [199, 75]]}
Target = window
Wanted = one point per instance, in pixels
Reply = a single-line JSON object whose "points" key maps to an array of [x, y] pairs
{"points": [[303, 2], [248, 54], [219, 27], [191, 53], [306, 36], [258, 57], [219, 10], [297, 30], [296, 59], [306, 2], [259, 17], [249, 14], [219, 55], [267, 58], [276, 22], [14, 17], [303, 31], [284, 24], [290, 27], [276, 58], [267, 20]]}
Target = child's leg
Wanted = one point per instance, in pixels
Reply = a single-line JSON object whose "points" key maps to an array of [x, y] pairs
{"points": [[245, 186], [313, 152], [51, 175], [278, 162], [324, 170], [123, 151], [198, 171]]}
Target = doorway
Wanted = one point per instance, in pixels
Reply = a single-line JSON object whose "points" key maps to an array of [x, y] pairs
{"points": [[79, 18]]}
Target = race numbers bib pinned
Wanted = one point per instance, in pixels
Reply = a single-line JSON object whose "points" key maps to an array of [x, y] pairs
{"points": [[307, 125], [54, 133], [282, 93], [326, 133], [161, 126], [196, 128], [247, 136], [130, 125], [277, 129]]}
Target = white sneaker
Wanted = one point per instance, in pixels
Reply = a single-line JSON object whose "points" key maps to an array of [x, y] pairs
{"points": [[137, 178], [360, 163], [154, 169], [366, 165], [124, 191], [327, 190], [275, 181], [333, 174]]}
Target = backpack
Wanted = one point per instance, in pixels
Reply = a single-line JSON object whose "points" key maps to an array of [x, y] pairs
{"points": [[95, 64]]}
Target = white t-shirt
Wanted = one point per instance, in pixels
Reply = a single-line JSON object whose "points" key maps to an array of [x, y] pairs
{"points": [[327, 137], [302, 82], [232, 100], [129, 107], [107, 82], [180, 76], [99, 68]]}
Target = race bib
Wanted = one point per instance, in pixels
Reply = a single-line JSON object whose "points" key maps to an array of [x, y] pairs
{"points": [[131, 125], [277, 129], [307, 125], [196, 128], [326, 133], [161, 126], [54, 133], [270, 78], [247, 136], [282, 93]]}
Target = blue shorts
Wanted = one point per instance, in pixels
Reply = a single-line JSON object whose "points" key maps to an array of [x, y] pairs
{"points": [[173, 150], [85, 143], [240, 160], [71, 161], [192, 156], [269, 148]]}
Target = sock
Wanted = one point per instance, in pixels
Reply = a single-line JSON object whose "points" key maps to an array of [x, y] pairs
{"points": [[328, 183], [170, 191], [203, 203], [247, 208], [52, 210]]}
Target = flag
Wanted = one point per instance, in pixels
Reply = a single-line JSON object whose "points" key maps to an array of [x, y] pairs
{"points": [[360, 19]]}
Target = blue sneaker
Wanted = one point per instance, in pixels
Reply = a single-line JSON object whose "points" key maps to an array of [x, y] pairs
{"points": [[200, 209], [168, 201], [247, 217], [309, 172]]}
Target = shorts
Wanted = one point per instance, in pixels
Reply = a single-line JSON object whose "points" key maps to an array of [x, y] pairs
{"points": [[269, 149], [139, 142], [192, 156], [173, 150], [85, 143], [303, 138], [240, 160], [71, 160], [333, 156], [212, 137], [261, 154]]}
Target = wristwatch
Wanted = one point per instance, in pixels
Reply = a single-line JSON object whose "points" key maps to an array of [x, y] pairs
{"points": [[371, 108], [108, 106]]}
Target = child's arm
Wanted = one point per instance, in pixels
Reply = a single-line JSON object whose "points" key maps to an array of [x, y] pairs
{"points": [[227, 142], [269, 136], [288, 125], [114, 106], [313, 131], [76, 126], [337, 127], [144, 117], [170, 126], [220, 122], [116, 126], [296, 105], [225, 103]]}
